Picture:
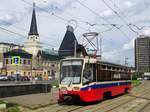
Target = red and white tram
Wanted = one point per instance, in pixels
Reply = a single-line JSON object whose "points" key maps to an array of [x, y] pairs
{"points": [[92, 80]]}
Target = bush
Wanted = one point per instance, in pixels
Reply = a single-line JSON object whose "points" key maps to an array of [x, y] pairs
{"points": [[136, 82], [13, 109], [2, 102], [55, 83]]}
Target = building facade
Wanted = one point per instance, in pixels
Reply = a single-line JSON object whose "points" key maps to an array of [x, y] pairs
{"points": [[44, 63], [142, 54], [48, 61], [5, 47], [17, 61], [35, 60]]}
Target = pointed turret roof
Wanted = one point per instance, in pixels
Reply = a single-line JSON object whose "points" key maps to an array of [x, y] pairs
{"points": [[67, 46], [33, 27]]}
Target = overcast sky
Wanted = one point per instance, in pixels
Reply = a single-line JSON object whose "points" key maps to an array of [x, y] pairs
{"points": [[117, 42]]}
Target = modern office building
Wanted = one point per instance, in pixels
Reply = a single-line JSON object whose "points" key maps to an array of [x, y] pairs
{"points": [[142, 54]]}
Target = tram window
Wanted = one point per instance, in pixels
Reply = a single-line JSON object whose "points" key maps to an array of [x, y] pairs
{"points": [[109, 67], [98, 72], [103, 67], [113, 68], [88, 73]]}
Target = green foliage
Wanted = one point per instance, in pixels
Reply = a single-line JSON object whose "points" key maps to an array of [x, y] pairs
{"points": [[55, 83], [9, 104], [13, 109], [2, 102], [135, 76], [136, 82]]}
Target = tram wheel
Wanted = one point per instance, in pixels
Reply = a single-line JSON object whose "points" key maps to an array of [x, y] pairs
{"points": [[106, 95]]}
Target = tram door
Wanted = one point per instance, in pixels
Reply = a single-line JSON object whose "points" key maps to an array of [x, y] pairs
{"points": [[89, 79]]}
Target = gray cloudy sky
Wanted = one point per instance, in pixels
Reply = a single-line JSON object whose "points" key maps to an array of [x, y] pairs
{"points": [[15, 15]]}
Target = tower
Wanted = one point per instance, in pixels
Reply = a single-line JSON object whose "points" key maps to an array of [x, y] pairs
{"points": [[142, 54], [33, 45]]}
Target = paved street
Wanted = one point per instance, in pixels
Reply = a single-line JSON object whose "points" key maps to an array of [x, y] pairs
{"points": [[33, 101]]}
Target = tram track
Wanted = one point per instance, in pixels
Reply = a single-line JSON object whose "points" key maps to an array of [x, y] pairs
{"points": [[132, 98], [104, 103], [140, 96], [112, 104], [146, 105]]}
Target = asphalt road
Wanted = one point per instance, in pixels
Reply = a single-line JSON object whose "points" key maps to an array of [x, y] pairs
{"points": [[138, 100]]}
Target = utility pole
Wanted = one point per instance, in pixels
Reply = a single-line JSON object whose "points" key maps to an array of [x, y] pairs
{"points": [[100, 48], [75, 48], [126, 61]]}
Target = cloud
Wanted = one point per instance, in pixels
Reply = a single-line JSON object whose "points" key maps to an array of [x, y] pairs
{"points": [[112, 56], [9, 18], [106, 13], [138, 8], [129, 45], [146, 31], [54, 5], [129, 9], [129, 4]]}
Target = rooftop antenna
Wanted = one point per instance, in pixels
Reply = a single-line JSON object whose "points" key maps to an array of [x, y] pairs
{"points": [[73, 23], [75, 48]]}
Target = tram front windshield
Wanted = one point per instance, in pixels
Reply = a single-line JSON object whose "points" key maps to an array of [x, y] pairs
{"points": [[71, 72]]}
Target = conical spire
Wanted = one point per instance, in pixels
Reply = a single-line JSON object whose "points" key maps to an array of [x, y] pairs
{"points": [[67, 46], [33, 27]]}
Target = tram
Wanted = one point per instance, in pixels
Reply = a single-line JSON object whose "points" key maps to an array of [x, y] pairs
{"points": [[89, 79]]}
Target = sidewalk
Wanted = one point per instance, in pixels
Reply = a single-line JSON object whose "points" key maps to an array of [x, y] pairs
{"points": [[34, 101]]}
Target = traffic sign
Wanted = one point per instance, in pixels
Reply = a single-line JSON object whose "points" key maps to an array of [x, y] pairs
{"points": [[16, 60]]}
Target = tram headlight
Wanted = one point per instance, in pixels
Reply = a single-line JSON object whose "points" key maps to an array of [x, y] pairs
{"points": [[63, 89], [76, 88]]}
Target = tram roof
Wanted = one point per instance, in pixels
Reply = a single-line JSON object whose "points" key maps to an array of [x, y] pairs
{"points": [[107, 63], [111, 64]]}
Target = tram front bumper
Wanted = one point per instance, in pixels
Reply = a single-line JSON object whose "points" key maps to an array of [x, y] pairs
{"points": [[68, 95]]}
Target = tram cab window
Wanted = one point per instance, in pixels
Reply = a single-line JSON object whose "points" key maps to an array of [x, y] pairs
{"points": [[88, 73]]}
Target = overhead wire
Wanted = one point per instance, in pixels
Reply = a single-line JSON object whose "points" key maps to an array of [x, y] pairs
{"points": [[53, 14], [101, 17], [104, 20], [88, 9], [121, 18], [131, 23], [19, 34]]}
